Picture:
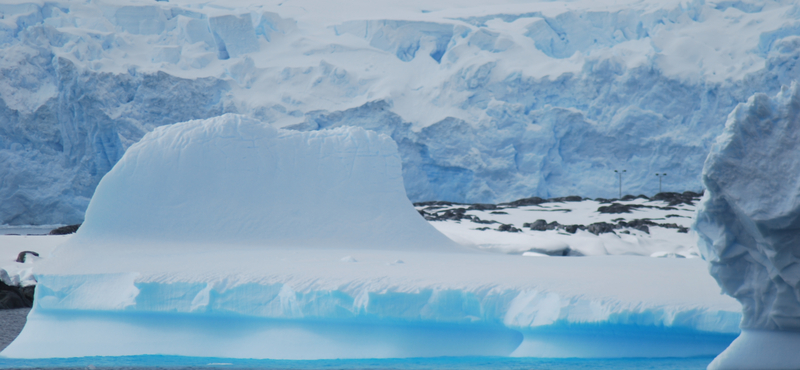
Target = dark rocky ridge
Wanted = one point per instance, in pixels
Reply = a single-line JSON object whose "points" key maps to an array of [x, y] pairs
{"points": [[15, 296], [65, 230], [598, 228], [433, 211]]}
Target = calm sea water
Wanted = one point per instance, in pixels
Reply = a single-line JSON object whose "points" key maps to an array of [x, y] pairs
{"points": [[446, 363]]}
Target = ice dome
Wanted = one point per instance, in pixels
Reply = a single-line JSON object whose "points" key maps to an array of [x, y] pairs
{"points": [[235, 180]]}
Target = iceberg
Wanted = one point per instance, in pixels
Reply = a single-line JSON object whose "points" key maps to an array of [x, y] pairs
{"points": [[748, 225], [487, 103], [229, 238]]}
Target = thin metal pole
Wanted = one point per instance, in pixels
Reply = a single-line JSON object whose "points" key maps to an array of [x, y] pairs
{"points": [[660, 177], [620, 181]]}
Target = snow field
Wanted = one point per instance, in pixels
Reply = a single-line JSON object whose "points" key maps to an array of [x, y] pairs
{"points": [[657, 241], [14, 273]]}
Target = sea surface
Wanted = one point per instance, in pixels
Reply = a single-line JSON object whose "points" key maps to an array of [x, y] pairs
{"points": [[442, 363]]}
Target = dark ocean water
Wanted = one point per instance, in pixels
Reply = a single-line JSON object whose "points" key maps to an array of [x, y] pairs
{"points": [[11, 323], [442, 363]]}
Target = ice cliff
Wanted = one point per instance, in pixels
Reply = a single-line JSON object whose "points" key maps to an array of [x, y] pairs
{"points": [[486, 103], [749, 222], [229, 238]]}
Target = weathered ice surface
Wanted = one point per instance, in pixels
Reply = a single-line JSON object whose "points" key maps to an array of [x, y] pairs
{"points": [[488, 103], [749, 226]]}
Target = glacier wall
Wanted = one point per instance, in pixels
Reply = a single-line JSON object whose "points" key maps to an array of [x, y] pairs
{"points": [[748, 226], [487, 104]]}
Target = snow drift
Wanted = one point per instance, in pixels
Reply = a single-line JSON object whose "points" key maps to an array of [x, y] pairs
{"points": [[749, 224], [487, 103], [298, 245]]}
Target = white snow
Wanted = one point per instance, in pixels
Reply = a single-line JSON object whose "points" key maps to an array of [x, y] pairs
{"points": [[657, 242], [180, 254], [748, 226], [16, 273]]}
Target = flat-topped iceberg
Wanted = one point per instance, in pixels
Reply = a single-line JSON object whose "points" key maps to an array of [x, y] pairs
{"points": [[749, 224], [229, 238]]}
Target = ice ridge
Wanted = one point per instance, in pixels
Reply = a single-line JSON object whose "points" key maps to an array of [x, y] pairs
{"points": [[748, 224]]}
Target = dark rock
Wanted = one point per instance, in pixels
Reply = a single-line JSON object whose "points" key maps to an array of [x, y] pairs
{"points": [[508, 228], [455, 214], [598, 228], [683, 230], [482, 207], [674, 199], [632, 197], [435, 203], [571, 198], [538, 225], [21, 255], [564, 252], [10, 299], [604, 200], [482, 228], [618, 208], [64, 230], [499, 213], [641, 225], [14, 297], [533, 201], [28, 292]]}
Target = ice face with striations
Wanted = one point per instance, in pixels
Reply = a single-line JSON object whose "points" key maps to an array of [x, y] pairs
{"points": [[487, 103], [748, 224], [229, 238]]}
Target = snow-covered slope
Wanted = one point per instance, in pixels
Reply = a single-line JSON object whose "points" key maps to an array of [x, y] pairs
{"points": [[209, 268], [749, 225], [572, 226], [488, 103]]}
